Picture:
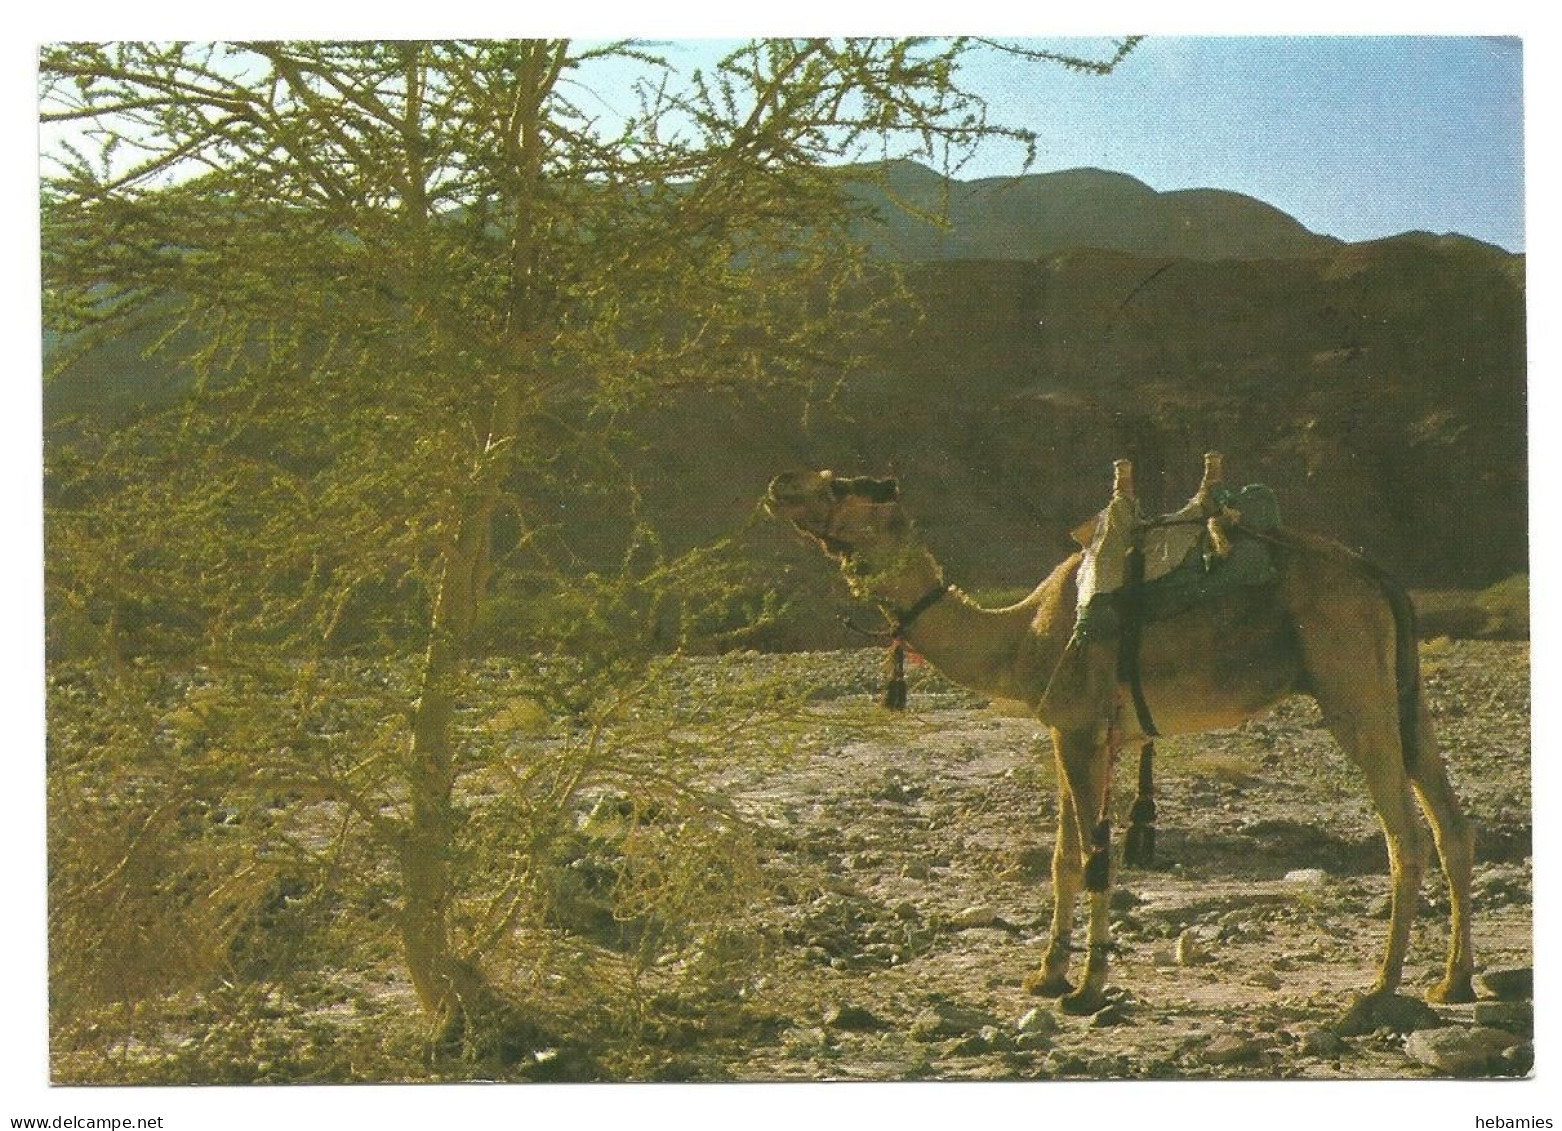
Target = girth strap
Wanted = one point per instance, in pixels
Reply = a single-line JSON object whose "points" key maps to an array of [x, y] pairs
{"points": [[1130, 607]]}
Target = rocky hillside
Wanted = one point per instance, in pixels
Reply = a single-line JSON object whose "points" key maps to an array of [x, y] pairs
{"points": [[1063, 320], [1379, 389]]}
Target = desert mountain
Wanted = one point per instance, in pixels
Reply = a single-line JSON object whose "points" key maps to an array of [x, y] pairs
{"points": [[1027, 217], [1059, 321]]}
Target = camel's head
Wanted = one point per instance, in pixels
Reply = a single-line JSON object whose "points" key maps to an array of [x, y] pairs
{"points": [[853, 518]]}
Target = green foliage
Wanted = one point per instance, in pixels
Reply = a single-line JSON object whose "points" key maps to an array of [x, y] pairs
{"points": [[405, 294], [1498, 612], [1506, 605]]}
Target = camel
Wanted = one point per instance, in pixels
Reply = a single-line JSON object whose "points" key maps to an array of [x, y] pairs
{"points": [[1329, 625]]}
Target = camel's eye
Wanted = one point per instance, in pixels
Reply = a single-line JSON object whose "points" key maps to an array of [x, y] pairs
{"points": [[874, 490]]}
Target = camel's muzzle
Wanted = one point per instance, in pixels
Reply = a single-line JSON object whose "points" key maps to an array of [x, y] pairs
{"points": [[798, 488]]}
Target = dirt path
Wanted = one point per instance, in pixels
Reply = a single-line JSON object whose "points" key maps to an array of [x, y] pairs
{"points": [[918, 870]]}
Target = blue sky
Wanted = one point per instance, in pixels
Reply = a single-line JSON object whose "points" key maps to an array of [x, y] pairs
{"points": [[1355, 136]]}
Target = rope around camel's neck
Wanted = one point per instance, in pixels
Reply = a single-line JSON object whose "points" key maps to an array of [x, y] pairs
{"points": [[975, 647], [897, 584]]}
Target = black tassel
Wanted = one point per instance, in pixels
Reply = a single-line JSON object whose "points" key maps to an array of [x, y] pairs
{"points": [[1142, 838], [895, 693], [1139, 846], [1098, 867]]}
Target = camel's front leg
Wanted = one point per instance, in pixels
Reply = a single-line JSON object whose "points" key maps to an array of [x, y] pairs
{"points": [[1068, 873], [1091, 995], [1083, 774]]}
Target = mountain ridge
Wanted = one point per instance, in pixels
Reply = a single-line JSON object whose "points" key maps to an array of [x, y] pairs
{"points": [[1029, 215], [1378, 386]]}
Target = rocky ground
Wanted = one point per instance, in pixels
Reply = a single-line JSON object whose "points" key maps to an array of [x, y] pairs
{"points": [[1240, 948], [903, 894]]}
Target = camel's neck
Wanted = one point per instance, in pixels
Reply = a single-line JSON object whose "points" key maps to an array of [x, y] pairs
{"points": [[998, 652]]}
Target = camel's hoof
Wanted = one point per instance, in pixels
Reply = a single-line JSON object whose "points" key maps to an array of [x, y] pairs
{"points": [[1382, 1009], [1083, 1002], [1452, 990], [1039, 983]]}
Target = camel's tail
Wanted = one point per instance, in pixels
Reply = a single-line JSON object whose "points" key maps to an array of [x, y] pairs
{"points": [[1407, 663]]}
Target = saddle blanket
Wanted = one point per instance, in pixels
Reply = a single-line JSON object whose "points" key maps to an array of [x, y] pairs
{"points": [[1181, 568]]}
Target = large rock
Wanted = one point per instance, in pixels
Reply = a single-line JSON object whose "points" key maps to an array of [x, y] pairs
{"points": [[947, 1019], [1514, 1016], [1462, 1052], [1324, 1041], [1397, 1013], [1515, 984]]}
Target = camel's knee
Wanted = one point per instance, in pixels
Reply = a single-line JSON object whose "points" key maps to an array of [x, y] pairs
{"points": [[1408, 851], [1456, 841], [1068, 866]]}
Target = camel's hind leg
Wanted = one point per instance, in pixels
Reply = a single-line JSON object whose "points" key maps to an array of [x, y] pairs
{"points": [[1456, 849], [1351, 669], [1375, 749]]}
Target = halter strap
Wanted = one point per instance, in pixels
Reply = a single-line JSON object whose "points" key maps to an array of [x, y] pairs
{"points": [[903, 621], [895, 691]]}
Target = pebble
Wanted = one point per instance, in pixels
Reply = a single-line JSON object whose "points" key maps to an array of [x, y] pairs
{"points": [[1233, 1048], [1190, 950], [987, 1039], [1515, 984], [994, 1039], [1461, 1052], [1324, 1042], [852, 1019], [946, 1019], [978, 916], [1307, 877], [1113, 1014], [1038, 1021], [1033, 1042]]}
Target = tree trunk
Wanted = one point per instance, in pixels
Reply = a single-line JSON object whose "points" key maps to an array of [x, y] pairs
{"points": [[451, 989]]}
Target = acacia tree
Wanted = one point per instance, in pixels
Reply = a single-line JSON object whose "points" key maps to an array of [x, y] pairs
{"points": [[405, 284]]}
